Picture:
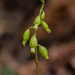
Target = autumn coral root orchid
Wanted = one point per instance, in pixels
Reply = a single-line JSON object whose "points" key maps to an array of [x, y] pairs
{"points": [[33, 42]]}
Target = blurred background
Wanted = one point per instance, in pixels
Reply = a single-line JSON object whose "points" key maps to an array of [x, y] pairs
{"points": [[16, 16]]}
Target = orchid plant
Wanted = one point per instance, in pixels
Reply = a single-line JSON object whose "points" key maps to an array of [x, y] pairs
{"points": [[33, 43]]}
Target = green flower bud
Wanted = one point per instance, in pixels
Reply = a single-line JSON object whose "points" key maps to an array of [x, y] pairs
{"points": [[43, 51], [37, 20], [45, 26], [23, 43], [35, 27], [33, 42], [43, 16], [32, 51], [26, 35]]}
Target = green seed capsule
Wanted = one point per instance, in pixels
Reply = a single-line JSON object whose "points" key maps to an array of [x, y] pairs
{"points": [[37, 20], [33, 42], [45, 26], [23, 43], [26, 35], [43, 51], [32, 51], [43, 16], [35, 27]]}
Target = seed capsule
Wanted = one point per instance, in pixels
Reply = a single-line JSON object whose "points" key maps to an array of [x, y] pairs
{"points": [[45, 26], [26, 35], [43, 51], [35, 27], [32, 51], [43, 16], [33, 42], [37, 20]]}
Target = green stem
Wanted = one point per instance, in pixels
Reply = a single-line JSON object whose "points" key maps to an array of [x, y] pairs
{"points": [[36, 53], [36, 60], [41, 8]]}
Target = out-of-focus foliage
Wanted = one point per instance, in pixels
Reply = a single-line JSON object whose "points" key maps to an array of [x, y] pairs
{"points": [[7, 71]]}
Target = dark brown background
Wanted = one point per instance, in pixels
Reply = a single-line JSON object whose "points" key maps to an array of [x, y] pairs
{"points": [[17, 15]]}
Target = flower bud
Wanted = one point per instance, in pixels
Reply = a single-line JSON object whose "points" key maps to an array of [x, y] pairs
{"points": [[32, 51], [37, 20], [26, 35], [43, 16], [35, 27], [33, 42], [23, 43], [43, 51], [45, 26]]}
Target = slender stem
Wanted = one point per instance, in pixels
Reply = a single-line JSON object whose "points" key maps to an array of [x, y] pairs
{"points": [[42, 6], [36, 60], [36, 53]]}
